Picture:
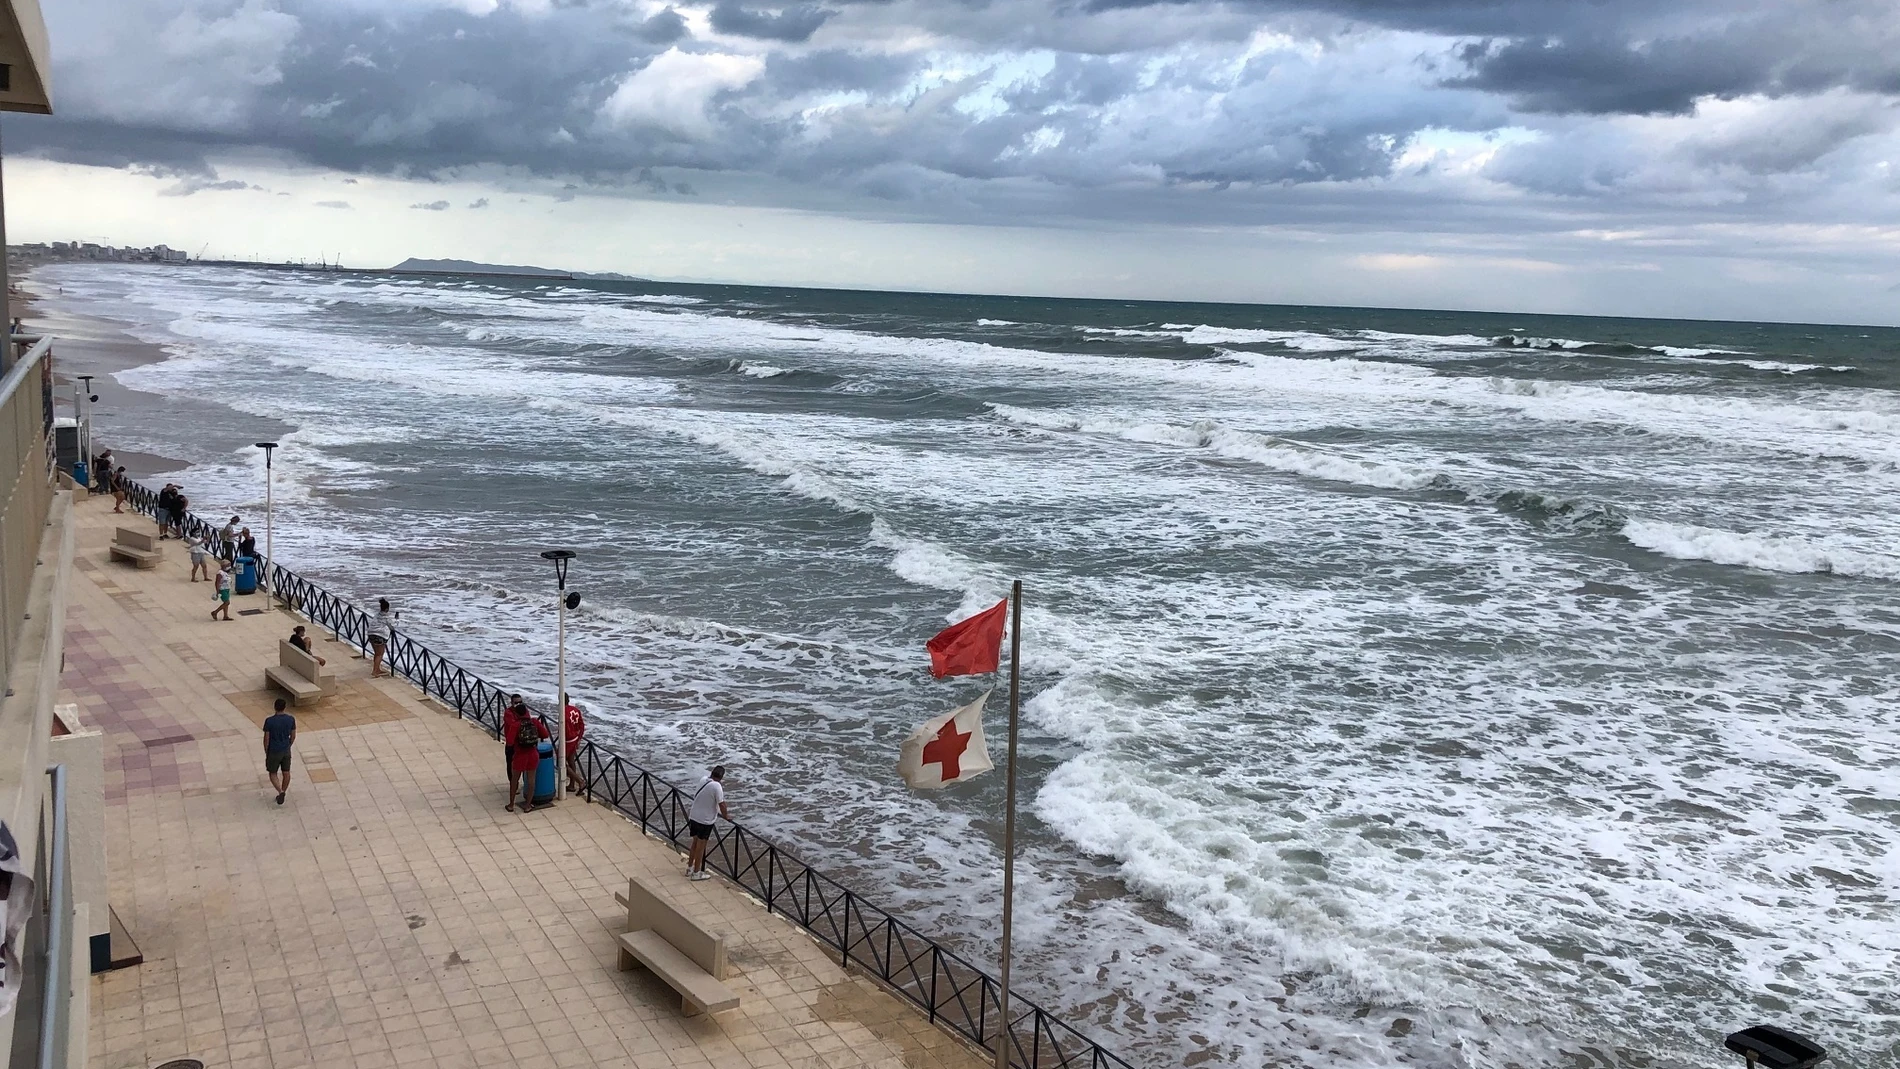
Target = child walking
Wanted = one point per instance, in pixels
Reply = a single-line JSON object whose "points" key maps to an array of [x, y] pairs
{"points": [[222, 591]]}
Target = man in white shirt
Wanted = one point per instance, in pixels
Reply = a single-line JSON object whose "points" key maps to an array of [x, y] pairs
{"points": [[709, 802]]}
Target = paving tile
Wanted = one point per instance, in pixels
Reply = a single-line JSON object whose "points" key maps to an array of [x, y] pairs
{"points": [[390, 915]]}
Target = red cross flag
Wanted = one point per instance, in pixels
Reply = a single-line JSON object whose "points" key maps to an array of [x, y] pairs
{"points": [[946, 749]]}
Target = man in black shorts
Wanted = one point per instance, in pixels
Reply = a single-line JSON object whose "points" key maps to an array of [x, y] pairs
{"points": [[708, 804], [280, 732]]}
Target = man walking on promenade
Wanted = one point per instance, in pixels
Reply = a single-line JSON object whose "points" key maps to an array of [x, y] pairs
{"points": [[381, 629], [222, 591], [709, 802], [280, 731], [521, 735]]}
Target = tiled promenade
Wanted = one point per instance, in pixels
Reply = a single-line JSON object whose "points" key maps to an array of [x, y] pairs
{"points": [[391, 913]]}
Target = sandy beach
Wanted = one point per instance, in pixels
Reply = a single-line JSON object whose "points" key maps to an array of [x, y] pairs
{"points": [[91, 344]]}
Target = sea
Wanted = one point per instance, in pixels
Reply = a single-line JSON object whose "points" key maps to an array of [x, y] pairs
{"points": [[1415, 688]]}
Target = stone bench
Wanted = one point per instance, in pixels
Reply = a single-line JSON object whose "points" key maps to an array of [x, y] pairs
{"points": [[136, 548], [298, 674], [689, 958]]}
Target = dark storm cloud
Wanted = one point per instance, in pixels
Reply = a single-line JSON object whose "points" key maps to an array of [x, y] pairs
{"points": [[662, 28], [796, 23], [1793, 49], [1007, 103]]}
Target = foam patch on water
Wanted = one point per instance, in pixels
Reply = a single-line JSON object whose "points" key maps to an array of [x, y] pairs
{"points": [[1795, 555]]}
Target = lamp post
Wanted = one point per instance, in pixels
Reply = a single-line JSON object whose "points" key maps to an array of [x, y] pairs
{"points": [[563, 602], [263, 574], [84, 417]]}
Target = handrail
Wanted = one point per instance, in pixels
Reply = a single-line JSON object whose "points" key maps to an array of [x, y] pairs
{"points": [[56, 1000], [956, 994], [24, 365]]}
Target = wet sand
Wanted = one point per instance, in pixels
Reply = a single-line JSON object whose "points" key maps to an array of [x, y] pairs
{"points": [[90, 344]]}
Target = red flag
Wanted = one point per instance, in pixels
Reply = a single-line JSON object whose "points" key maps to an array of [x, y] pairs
{"points": [[970, 647]]}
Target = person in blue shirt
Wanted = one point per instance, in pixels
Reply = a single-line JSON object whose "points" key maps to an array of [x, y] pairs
{"points": [[280, 731]]}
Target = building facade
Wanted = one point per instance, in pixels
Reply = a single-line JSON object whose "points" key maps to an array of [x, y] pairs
{"points": [[44, 974]]}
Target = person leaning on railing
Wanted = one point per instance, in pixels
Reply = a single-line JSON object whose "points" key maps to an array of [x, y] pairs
{"points": [[382, 628]]}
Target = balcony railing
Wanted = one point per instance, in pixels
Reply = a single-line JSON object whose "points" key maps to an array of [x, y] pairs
{"points": [[956, 995], [26, 480]]}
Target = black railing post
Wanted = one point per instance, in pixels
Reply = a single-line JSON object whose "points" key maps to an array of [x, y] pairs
{"points": [[936, 966], [844, 940]]}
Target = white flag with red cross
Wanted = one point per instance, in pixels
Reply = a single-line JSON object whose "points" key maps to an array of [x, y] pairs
{"points": [[946, 749]]}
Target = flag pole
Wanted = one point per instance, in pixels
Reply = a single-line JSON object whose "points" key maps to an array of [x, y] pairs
{"points": [[1009, 817]]}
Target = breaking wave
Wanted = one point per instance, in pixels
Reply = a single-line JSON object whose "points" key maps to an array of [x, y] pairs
{"points": [[1793, 555]]}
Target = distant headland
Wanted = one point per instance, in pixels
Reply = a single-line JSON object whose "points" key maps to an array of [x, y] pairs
{"points": [[414, 265]]}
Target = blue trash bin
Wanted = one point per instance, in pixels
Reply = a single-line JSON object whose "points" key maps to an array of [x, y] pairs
{"points": [[82, 475], [246, 582], [544, 774]]}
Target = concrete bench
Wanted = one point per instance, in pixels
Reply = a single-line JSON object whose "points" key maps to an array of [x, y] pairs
{"points": [[689, 958], [136, 548], [298, 674]]}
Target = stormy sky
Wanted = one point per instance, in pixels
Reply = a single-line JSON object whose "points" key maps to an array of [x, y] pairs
{"points": [[1697, 158]]}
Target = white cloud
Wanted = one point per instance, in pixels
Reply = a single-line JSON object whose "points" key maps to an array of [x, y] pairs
{"points": [[674, 91]]}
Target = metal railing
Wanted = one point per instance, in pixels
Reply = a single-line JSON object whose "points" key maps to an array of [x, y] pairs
{"points": [[56, 1010], [956, 995], [26, 480]]}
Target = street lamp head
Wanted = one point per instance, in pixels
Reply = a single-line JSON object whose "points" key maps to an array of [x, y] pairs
{"points": [[560, 557], [267, 446]]}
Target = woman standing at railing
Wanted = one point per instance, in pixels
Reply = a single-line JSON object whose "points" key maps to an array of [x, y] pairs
{"points": [[381, 629]]}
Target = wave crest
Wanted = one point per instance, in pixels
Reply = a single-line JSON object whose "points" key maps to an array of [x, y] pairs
{"points": [[1792, 555]]}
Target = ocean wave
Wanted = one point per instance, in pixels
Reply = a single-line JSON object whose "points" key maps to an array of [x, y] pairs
{"points": [[758, 369], [1301, 340], [1521, 341], [1280, 454], [1622, 405], [1789, 554], [1462, 341], [997, 323], [1581, 514], [657, 298]]}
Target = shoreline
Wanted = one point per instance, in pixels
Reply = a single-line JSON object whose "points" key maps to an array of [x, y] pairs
{"points": [[86, 342]]}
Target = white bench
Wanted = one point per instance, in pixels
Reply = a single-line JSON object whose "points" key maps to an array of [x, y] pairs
{"points": [[689, 958], [136, 548], [298, 674]]}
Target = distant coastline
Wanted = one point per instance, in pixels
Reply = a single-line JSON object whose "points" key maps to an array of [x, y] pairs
{"points": [[76, 251]]}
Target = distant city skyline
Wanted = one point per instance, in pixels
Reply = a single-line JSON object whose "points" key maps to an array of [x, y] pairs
{"points": [[1702, 159]]}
